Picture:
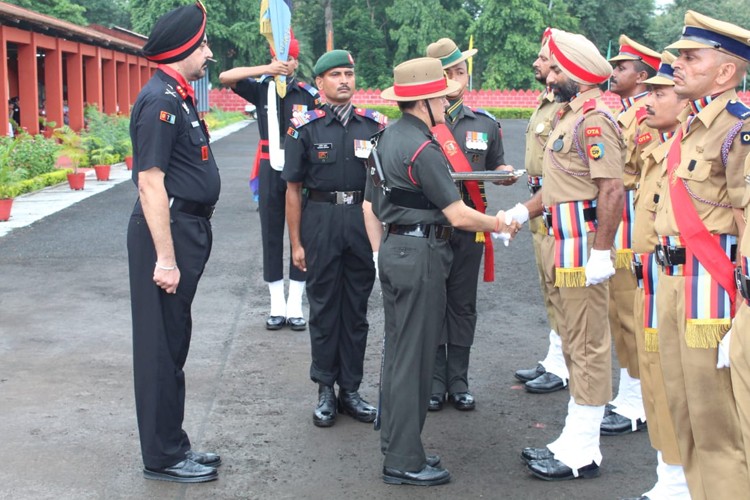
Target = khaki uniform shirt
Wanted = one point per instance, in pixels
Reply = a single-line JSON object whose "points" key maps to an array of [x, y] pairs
{"points": [[637, 136], [714, 188], [538, 130], [595, 151], [646, 200]]}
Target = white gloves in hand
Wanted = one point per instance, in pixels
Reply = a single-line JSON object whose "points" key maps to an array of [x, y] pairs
{"points": [[375, 260], [723, 351], [599, 268], [520, 213]]}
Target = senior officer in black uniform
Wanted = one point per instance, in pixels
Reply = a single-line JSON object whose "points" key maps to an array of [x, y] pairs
{"points": [[169, 240], [274, 113], [325, 153], [419, 203], [479, 139]]}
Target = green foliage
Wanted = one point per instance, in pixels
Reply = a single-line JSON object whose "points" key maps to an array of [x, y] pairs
{"points": [[8, 174], [41, 181], [603, 21], [71, 146], [61, 9], [392, 112], [33, 155], [218, 118], [106, 135]]}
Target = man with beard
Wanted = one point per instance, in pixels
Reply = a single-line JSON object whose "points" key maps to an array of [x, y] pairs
{"points": [[480, 144], [551, 374], [582, 201], [274, 113], [325, 154], [698, 219], [169, 240]]}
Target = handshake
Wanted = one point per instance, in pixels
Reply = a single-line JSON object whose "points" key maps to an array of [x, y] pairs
{"points": [[514, 219]]}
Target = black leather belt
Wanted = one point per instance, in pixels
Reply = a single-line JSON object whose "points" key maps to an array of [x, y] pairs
{"points": [[589, 214], [637, 269], [534, 189], [670, 256], [743, 283], [422, 230], [192, 208], [336, 197]]}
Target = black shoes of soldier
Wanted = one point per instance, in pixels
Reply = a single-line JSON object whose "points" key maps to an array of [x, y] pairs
{"points": [[325, 413], [615, 424], [187, 471], [428, 476], [462, 401], [551, 469], [297, 324], [530, 454], [275, 322], [352, 404], [526, 375], [436, 402], [544, 384], [204, 458]]}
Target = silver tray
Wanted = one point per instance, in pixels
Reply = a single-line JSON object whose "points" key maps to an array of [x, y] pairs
{"points": [[490, 175]]}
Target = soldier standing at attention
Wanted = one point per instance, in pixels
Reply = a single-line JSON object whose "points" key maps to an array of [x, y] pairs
{"points": [[325, 154], [480, 147], [551, 374], [698, 219], [274, 113]]}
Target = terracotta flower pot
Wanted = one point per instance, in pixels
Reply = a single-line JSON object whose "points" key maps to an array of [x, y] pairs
{"points": [[102, 172], [5, 206], [76, 181], [129, 162]]}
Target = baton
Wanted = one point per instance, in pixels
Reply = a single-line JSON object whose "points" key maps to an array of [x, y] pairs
{"points": [[491, 175]]}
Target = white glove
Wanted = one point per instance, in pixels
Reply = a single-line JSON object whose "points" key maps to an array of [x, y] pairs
{"points": [[375, 260], [520, 213], [723, 351], [599, 268], [505, 237]]}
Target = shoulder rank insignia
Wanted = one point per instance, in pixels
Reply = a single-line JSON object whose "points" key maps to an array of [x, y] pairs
{"points": [[596, 151], [166, 117], [292, 132], [589, 105], [644, 138], [310, 116], [641, 114], [318, 102], [183, 93], [373, 115], [484, 112], [738, 109]]}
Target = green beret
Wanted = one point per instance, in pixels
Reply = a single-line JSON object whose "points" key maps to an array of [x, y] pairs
{"points": [[333, 59]]}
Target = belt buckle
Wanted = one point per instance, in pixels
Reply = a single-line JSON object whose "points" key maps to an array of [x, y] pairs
{"points": [[661, 255], [344, 198]]}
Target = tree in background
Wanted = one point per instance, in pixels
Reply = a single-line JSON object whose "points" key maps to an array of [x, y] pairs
{"points": [[603, 21], [61, 9]]}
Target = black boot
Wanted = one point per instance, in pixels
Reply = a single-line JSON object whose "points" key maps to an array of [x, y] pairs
{"points": [[325, 414], [351, 403]]}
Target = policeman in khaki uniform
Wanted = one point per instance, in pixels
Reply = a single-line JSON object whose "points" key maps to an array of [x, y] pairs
{"points": [[478, 137], [662, 108], [325, 151], [633, 64], [550, 374], [582, 199], [698, 219]]}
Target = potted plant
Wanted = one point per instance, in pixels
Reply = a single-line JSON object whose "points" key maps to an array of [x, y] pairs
{"points": [[71, 147], [127, 149], [102, 159], [9, 177]]}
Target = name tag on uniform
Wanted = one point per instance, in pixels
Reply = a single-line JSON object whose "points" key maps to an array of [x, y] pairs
{"points": [[362, 148], [195, 124], [476, 140], [323, 146]]}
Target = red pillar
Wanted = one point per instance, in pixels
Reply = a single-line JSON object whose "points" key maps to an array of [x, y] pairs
{"points": [[74, 67], [4, 89], [94, 80], [123, 88], [53, 83], [28, 92], [135, 83], [109, 85]]}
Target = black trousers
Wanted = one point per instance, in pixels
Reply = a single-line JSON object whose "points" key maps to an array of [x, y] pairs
{"points": [[413, 272], [340, 276], [162, 326], [272, 209]]}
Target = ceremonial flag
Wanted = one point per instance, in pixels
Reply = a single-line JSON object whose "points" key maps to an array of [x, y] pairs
{"points": [[276, 26]]}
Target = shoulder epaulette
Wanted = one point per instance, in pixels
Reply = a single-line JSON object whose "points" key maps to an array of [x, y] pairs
{"points": [[312, 91], [589, 105], [484, 112], [308, 117], [373, 115], [738, 109], [641, 114]]}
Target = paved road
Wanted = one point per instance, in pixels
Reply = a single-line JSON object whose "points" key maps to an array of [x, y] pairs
{"points": [[68, 426]]}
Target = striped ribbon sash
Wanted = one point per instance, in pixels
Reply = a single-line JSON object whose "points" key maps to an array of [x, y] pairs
{"points": [[534, 181], [708, 305], [624, 235], [672, 241], [570, 230], [650, 281]]}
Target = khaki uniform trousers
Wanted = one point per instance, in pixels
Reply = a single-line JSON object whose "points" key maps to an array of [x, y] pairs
{"points": [[622, 292], [539, 233], [584, 330], [660, 428], [701, 403], [740, 370]]}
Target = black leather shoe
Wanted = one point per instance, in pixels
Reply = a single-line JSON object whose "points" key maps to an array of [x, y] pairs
{"points": [[325, 413], [432, 460], [462, 401], [436, 402], [608, 409], [529, 454], [204, 458], [429, 476], [615, 424], [551, 469], [275, 322], [297, 324], [526, 375], [545, 384], [352, 404], [186, 471]]}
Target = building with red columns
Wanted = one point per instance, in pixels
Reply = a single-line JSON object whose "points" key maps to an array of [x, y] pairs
{"points": [[49, 64]]}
